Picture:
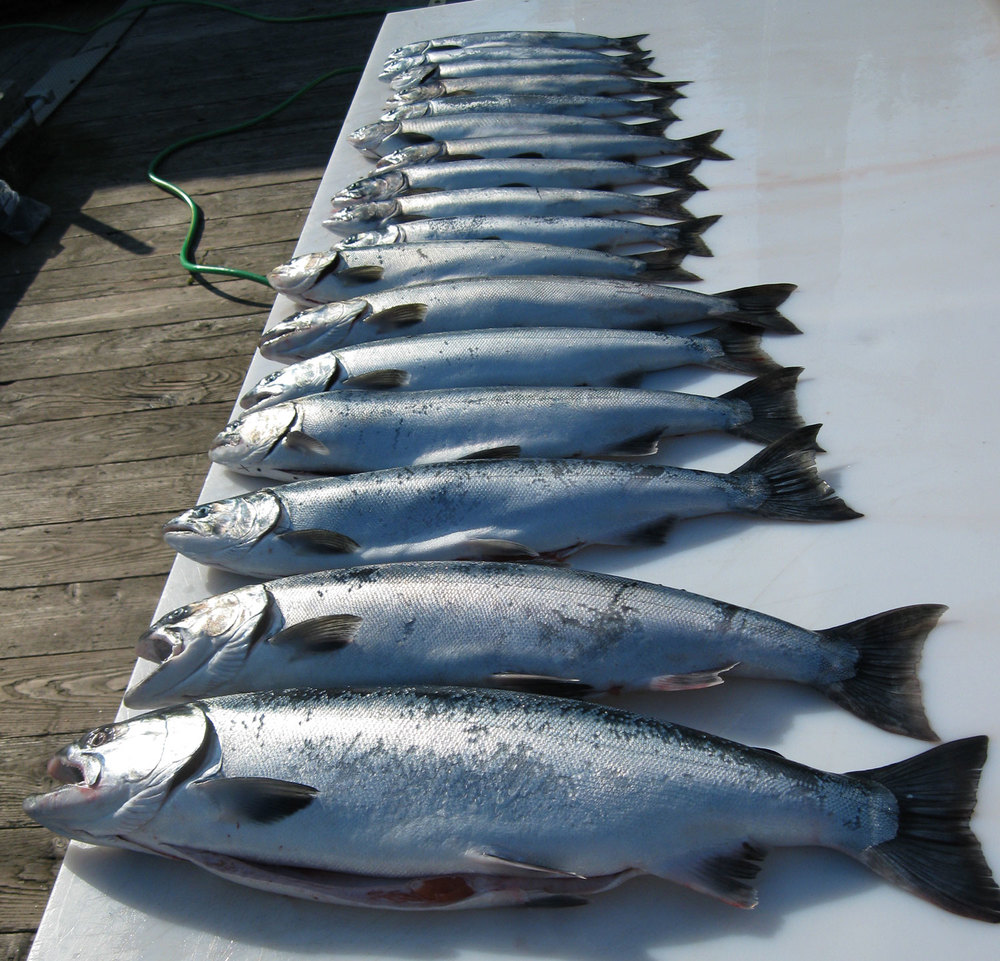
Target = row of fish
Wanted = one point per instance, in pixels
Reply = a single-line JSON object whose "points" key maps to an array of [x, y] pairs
{"points": [[461, 362]]}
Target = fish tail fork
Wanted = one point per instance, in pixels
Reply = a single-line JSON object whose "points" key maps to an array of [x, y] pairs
{"points": [[934, 854]]}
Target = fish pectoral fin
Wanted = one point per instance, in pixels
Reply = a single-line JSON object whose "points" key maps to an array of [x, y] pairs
{"points": [[362, 272], [541, 684], [496, 548], [402, 315], [301, 441], [496, 862], [724, 874], [326, 542], [690, 682], [261, 799], [378, 380], [319, 634], [494, 453]]}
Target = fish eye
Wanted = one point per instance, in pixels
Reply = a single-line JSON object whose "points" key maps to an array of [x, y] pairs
{"points": [[101, 736]]}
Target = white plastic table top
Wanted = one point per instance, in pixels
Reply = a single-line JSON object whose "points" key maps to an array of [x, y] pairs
{"points": [[866, 140]]}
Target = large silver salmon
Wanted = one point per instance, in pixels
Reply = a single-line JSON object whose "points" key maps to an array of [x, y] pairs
{"points": [[417, 798], [551, 630], [346, 432], [518, 301], [492, 510], [553, 104], [539, 38], [600, 85], [519, 356]]}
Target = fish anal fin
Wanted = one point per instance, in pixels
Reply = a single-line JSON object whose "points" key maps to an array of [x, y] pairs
{"points": [[319, 634], [402, 315], [489, 548], [326, 542], [503, 863], [261, 799], [690, 682], [494, 453], [643, 446], [652, 535], [725, 874], [541, 684], [378, 380]]}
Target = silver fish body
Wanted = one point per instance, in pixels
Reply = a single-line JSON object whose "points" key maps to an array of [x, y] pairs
{"points": [[601, 85], [384, 136], [444, 798], [346, 432], [514, 172], [526, 357], [559, 104], [509, 202], [591, 233], [539, 38], [491, 510], [520, 626], [559, 146], [340, 273], [528, 301]]}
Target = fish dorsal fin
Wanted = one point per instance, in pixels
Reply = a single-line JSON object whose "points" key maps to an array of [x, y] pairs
{"points": [[494, 453], [261, 799], [692, 681], [541, 684], [378, 380], [489, 548], [402, 315], [493, 860], [301, 441], [726, 874], [319, 634], [362, 272], [326, 542]]}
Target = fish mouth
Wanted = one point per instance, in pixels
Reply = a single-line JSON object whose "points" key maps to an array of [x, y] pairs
{"points": [[157, 646], [64, 771], [74, 767]]}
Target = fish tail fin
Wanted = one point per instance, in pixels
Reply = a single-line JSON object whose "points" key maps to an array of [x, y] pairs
{"points": [[774, 411], [677, 176], [652, 128], [687, 235], [659, 107], [701, 146], [795, 491], [759, 305], [741, 350], [641, 68], [885, 688], [632, 42], [670, 205], [934, 854], [664, 87], [664, 265], [637, 55]]}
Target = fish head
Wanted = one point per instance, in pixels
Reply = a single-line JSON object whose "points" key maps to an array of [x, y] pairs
{"points": [[209, 639], [397, 65], [313, 331], [361, 213], [224, 530], [406, 111], [380, 187], [296, 380], [115, 778], [368, 137], [245, 444], [417, 94], [389, 234], [300, 274], [418, 153], [413, 76]]}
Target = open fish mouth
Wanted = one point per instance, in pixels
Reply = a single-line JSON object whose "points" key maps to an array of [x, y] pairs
{"points": [[65, 771], [157, 646]]}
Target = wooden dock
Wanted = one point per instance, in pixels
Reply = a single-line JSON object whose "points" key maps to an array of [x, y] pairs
{"points": [[116, 370]]}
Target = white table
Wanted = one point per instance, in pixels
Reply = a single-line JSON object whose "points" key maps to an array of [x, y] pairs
{"points": [[866, 140]]}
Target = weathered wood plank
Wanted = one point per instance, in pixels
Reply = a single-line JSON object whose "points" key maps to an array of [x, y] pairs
{"points": [[113, 547], [31, 859], [143, 435], [75, 354], [99, 491], [15, 947], [77, 617]]}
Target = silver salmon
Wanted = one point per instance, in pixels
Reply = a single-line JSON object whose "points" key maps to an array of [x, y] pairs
{"points": [[601, 85], [349, 431], [518, 356], [539, 38], [492, 510], [550, 630], [453, 797], [528, 301], [559, 104]]}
